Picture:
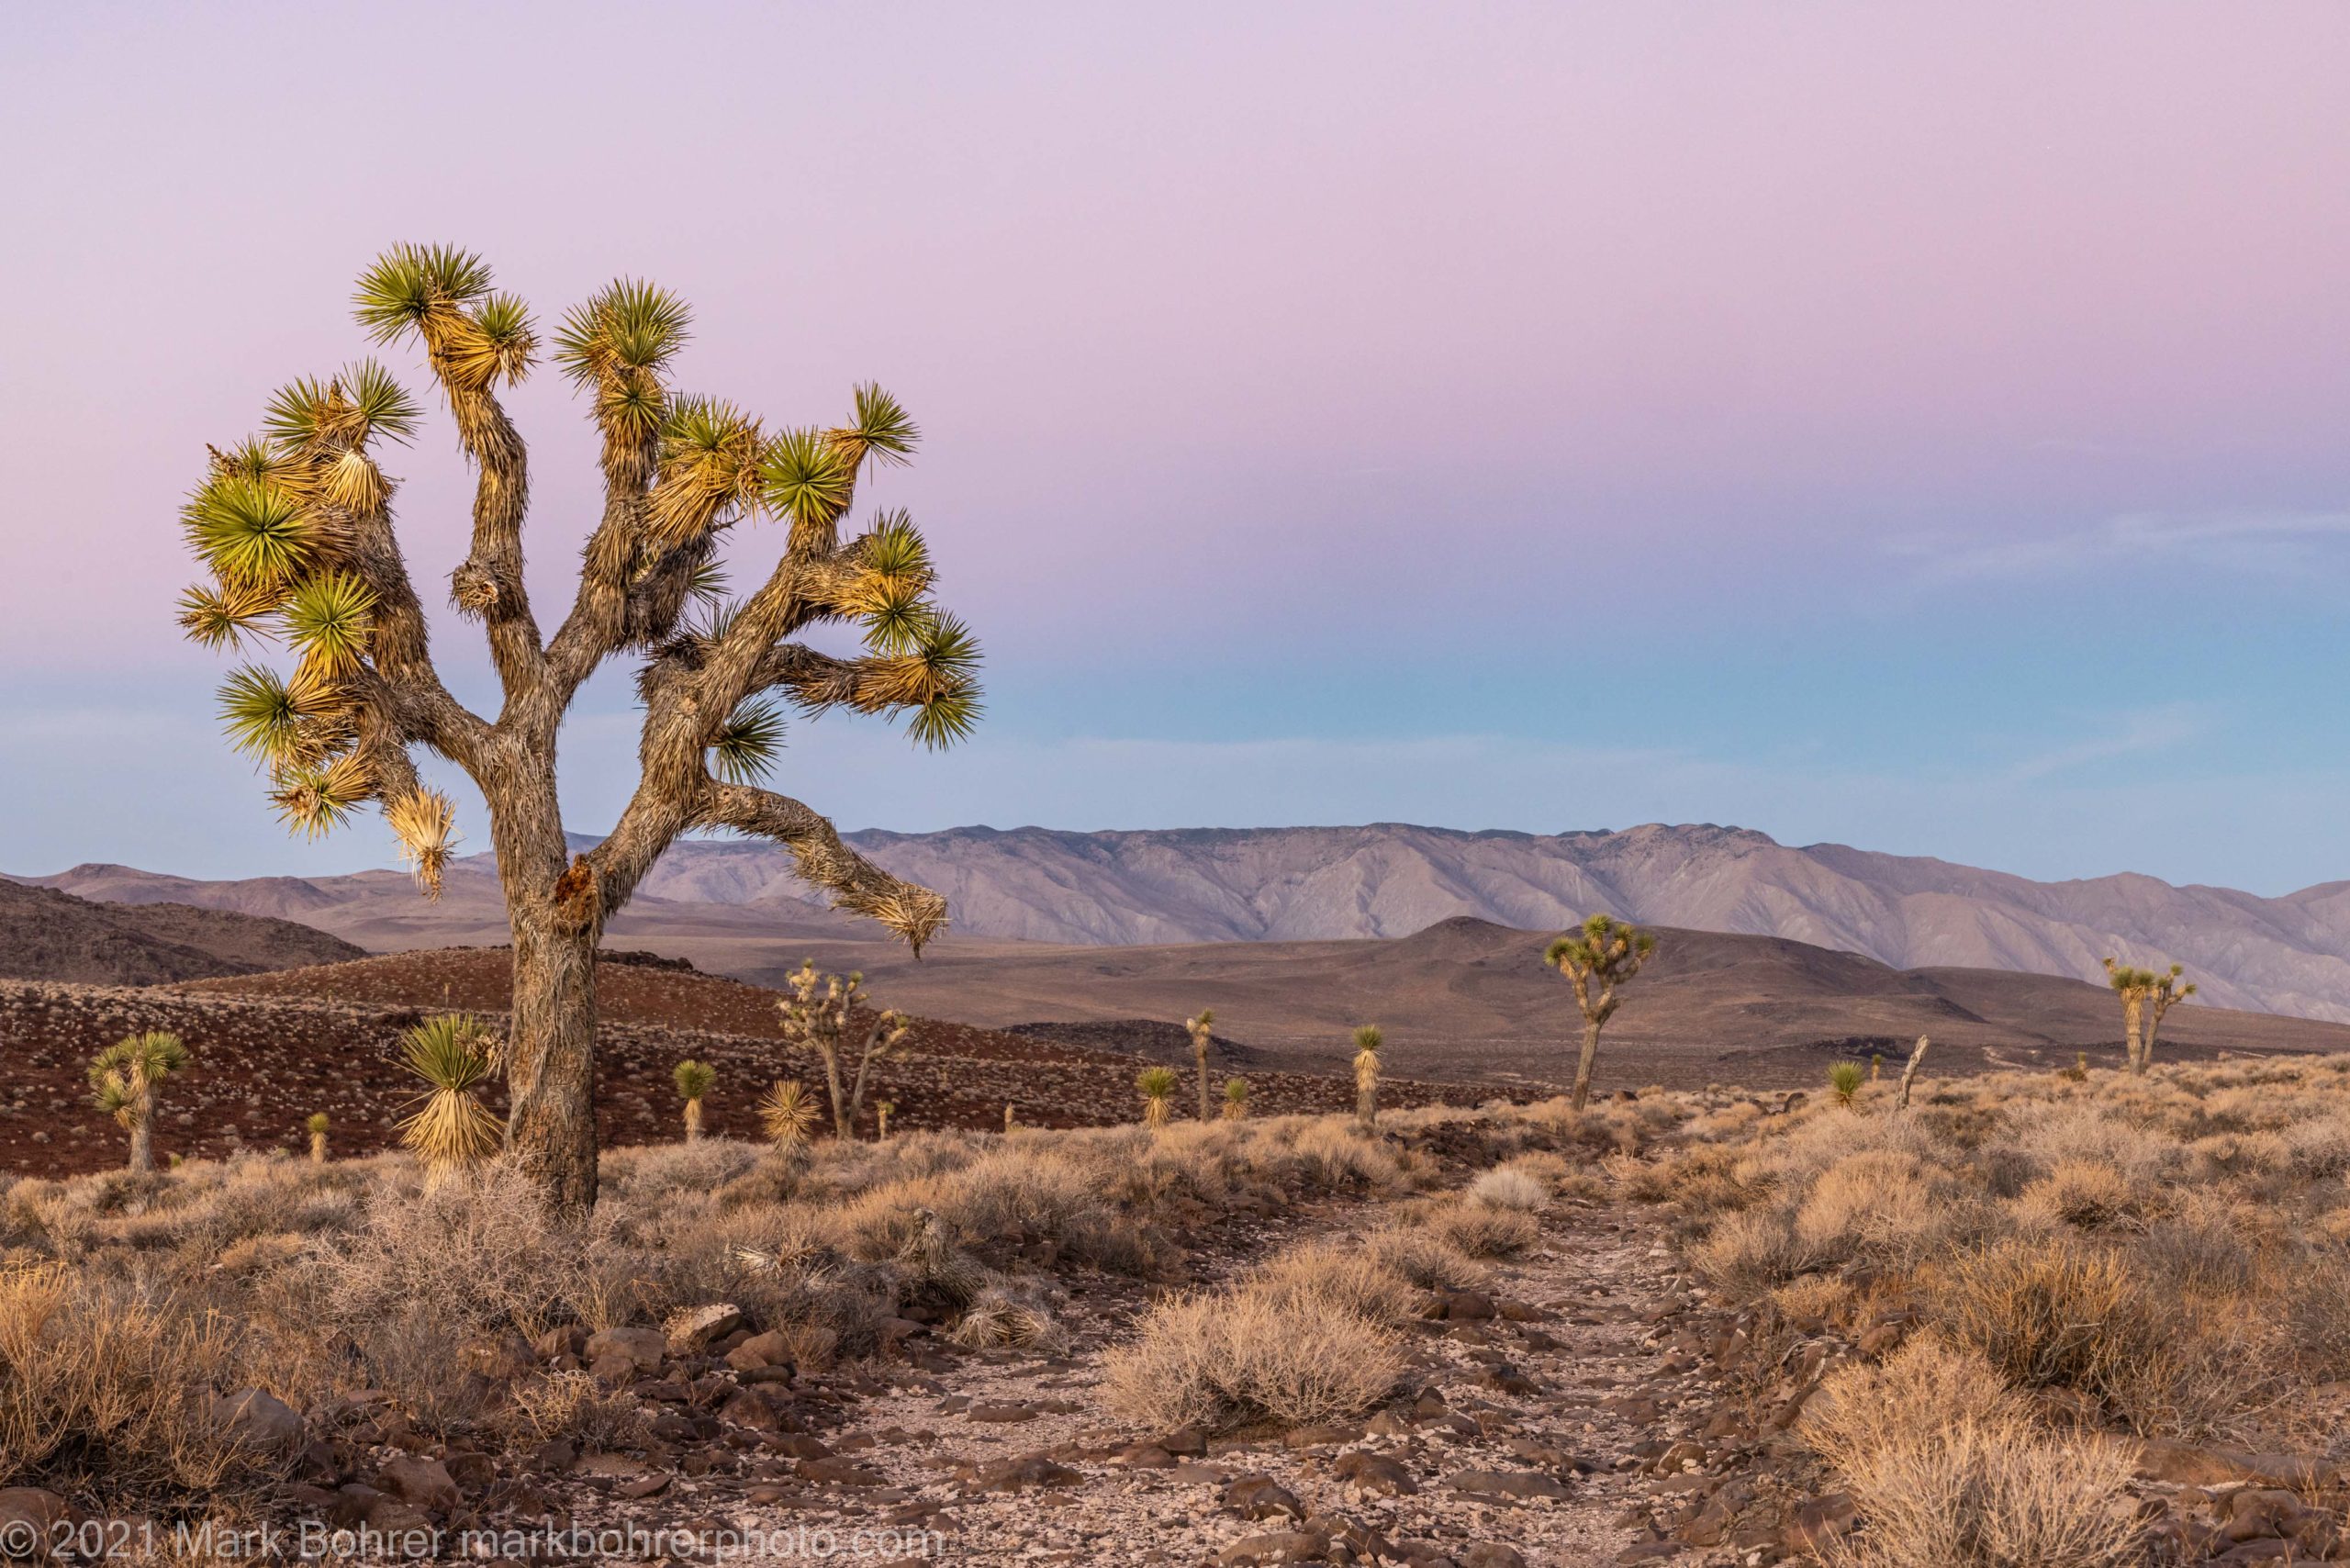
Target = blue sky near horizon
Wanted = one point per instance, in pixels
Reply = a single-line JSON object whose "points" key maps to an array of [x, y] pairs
{"points": [[1925, 431]]}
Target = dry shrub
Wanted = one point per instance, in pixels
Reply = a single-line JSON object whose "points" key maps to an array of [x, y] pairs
{"points": [[574, 1404], [1814, 1298], [1338, 1156], [472, 1250], [1751, 1250], [1511, 1186], [1221, 1361], [1949, 1471], [2071, 1315], [101, 1382], [2048, 1135], [1345, 1275], [1479, 1231], [1005, 1316], [1430, 1262], [1880, 1204], [2084, 1192], [2205, 1245]]}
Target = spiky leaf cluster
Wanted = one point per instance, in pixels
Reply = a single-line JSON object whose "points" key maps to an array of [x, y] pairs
{"points": [[693, 1078], [452, 1054], [789, 1114], [123, 1077]]}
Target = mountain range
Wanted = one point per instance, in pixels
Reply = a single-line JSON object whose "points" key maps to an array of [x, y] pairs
{"points": [[2280, 955]]}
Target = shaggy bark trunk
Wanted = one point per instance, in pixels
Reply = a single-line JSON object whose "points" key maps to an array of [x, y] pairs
{"points": [[832, 1088], [1910, 1073], [693, 1121], [550, 1056], [1199, 1051], [2130, 1016], [1583, 1068], [1366, 1100], [142, 1142]]}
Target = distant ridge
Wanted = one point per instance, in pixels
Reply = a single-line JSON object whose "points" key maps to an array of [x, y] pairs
{"points": [[52, 935], [2288, 954]]}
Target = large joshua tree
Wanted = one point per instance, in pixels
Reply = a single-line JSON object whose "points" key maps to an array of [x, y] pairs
{"points": [[2145, 998], [1597, 960], [295, 529]]}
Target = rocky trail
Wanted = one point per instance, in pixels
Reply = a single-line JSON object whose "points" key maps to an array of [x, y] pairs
{"points": [[1560, 1417]]}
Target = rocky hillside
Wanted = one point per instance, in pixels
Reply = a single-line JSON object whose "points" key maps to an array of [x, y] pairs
{"points": [[53, 935], [2288, 954]]}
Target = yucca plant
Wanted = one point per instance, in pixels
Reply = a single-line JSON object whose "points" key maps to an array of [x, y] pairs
{"points": [[693, 1080], [1200, 1027], [822, 1013], [453, 1055], [1876, 1066], [1368, 1039], [1007, 1118], [1156, 1086], [293, 531], [124, 1082], [788, 1112], [1844, 1081], [1597, 960], [316, 1127], [1235, 1099], [882, 1110]]}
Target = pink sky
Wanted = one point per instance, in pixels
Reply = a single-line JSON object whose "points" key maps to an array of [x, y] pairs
{"points": [[1297, 333]]}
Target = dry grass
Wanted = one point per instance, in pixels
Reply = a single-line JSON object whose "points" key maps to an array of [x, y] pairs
{"points": [[1223, 1359]]}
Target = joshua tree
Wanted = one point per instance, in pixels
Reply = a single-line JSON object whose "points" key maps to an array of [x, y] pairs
{"points": [[1604, 955], [1910, 1073], [294, 528], [1876, 1066], [1007, 1118], [1368, 1039], [317, 1125], [1158, 1086], [1844, 1081], [2164, 994], [124, 1079], [694, 1080], [821, 1014], [1235, 1099], [789, 1115], [450, 1130], [1198, 1028], [882, 1110]]}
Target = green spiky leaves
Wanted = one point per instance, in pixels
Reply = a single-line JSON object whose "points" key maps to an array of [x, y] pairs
{"points": [[361, 402], [710, 470], [328, 619], [882, 428], [314, 799], [451, 1054], [251, 532], [694, 1078], [632, 325], [936, 678], [747, 747], [806, 479], [415, 287], [222, 617]]}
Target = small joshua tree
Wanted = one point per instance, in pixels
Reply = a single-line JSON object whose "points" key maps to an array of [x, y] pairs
{"points": [[1368, 1039], [1198, 1028], [694, 1080], [1007, 1118], [1876, 1066], [882, 1110], [1235, 1099], [316, 1127], [1604, 955], [124, 1079], [1844, 1081], [789, 1114], [450, 1130], [1157, 1085], [2164, 994], [293, 531], [821, 1014]]}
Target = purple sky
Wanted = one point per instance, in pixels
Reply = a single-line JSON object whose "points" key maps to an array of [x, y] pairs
{"points": [[1922, 427]]}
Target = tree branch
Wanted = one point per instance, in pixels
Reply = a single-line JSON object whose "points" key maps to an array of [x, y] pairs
{"points": [[914, 912]]}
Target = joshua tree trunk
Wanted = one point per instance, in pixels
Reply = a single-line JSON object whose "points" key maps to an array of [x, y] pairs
{"points": [[1910, 1073], [693, 1121], [1584, 1065], [143, 1139], [2133, 1011], [551, 1053], [1199, 1055]]}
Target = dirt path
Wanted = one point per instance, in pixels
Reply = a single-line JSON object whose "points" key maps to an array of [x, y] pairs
{"points": [[1532, 1427]]}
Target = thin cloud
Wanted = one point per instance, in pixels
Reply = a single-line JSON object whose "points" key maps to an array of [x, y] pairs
{"points": [[2260, 543], [2146, 729]]}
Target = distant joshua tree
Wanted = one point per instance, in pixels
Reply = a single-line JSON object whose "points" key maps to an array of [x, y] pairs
{"points": [[453, 1054], [1368, 1039], [821, 1014], [1007, 1118], [124, 1079], [1198, 1028], [1156, 1086], [1235, 1099], [882, 1110], [1597, 960], [789, 1115], [294, 530], [316, 1127], [2141, 990], [694, 1080]]}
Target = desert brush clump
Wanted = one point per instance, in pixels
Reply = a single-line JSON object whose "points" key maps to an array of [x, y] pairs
{"points": [[1844, 1081], [293, 531], [1235, 1099], [694, 1081], [125, 1081], [789, 1114], [450, 1129], [824, 1012], [1602, 955]]}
